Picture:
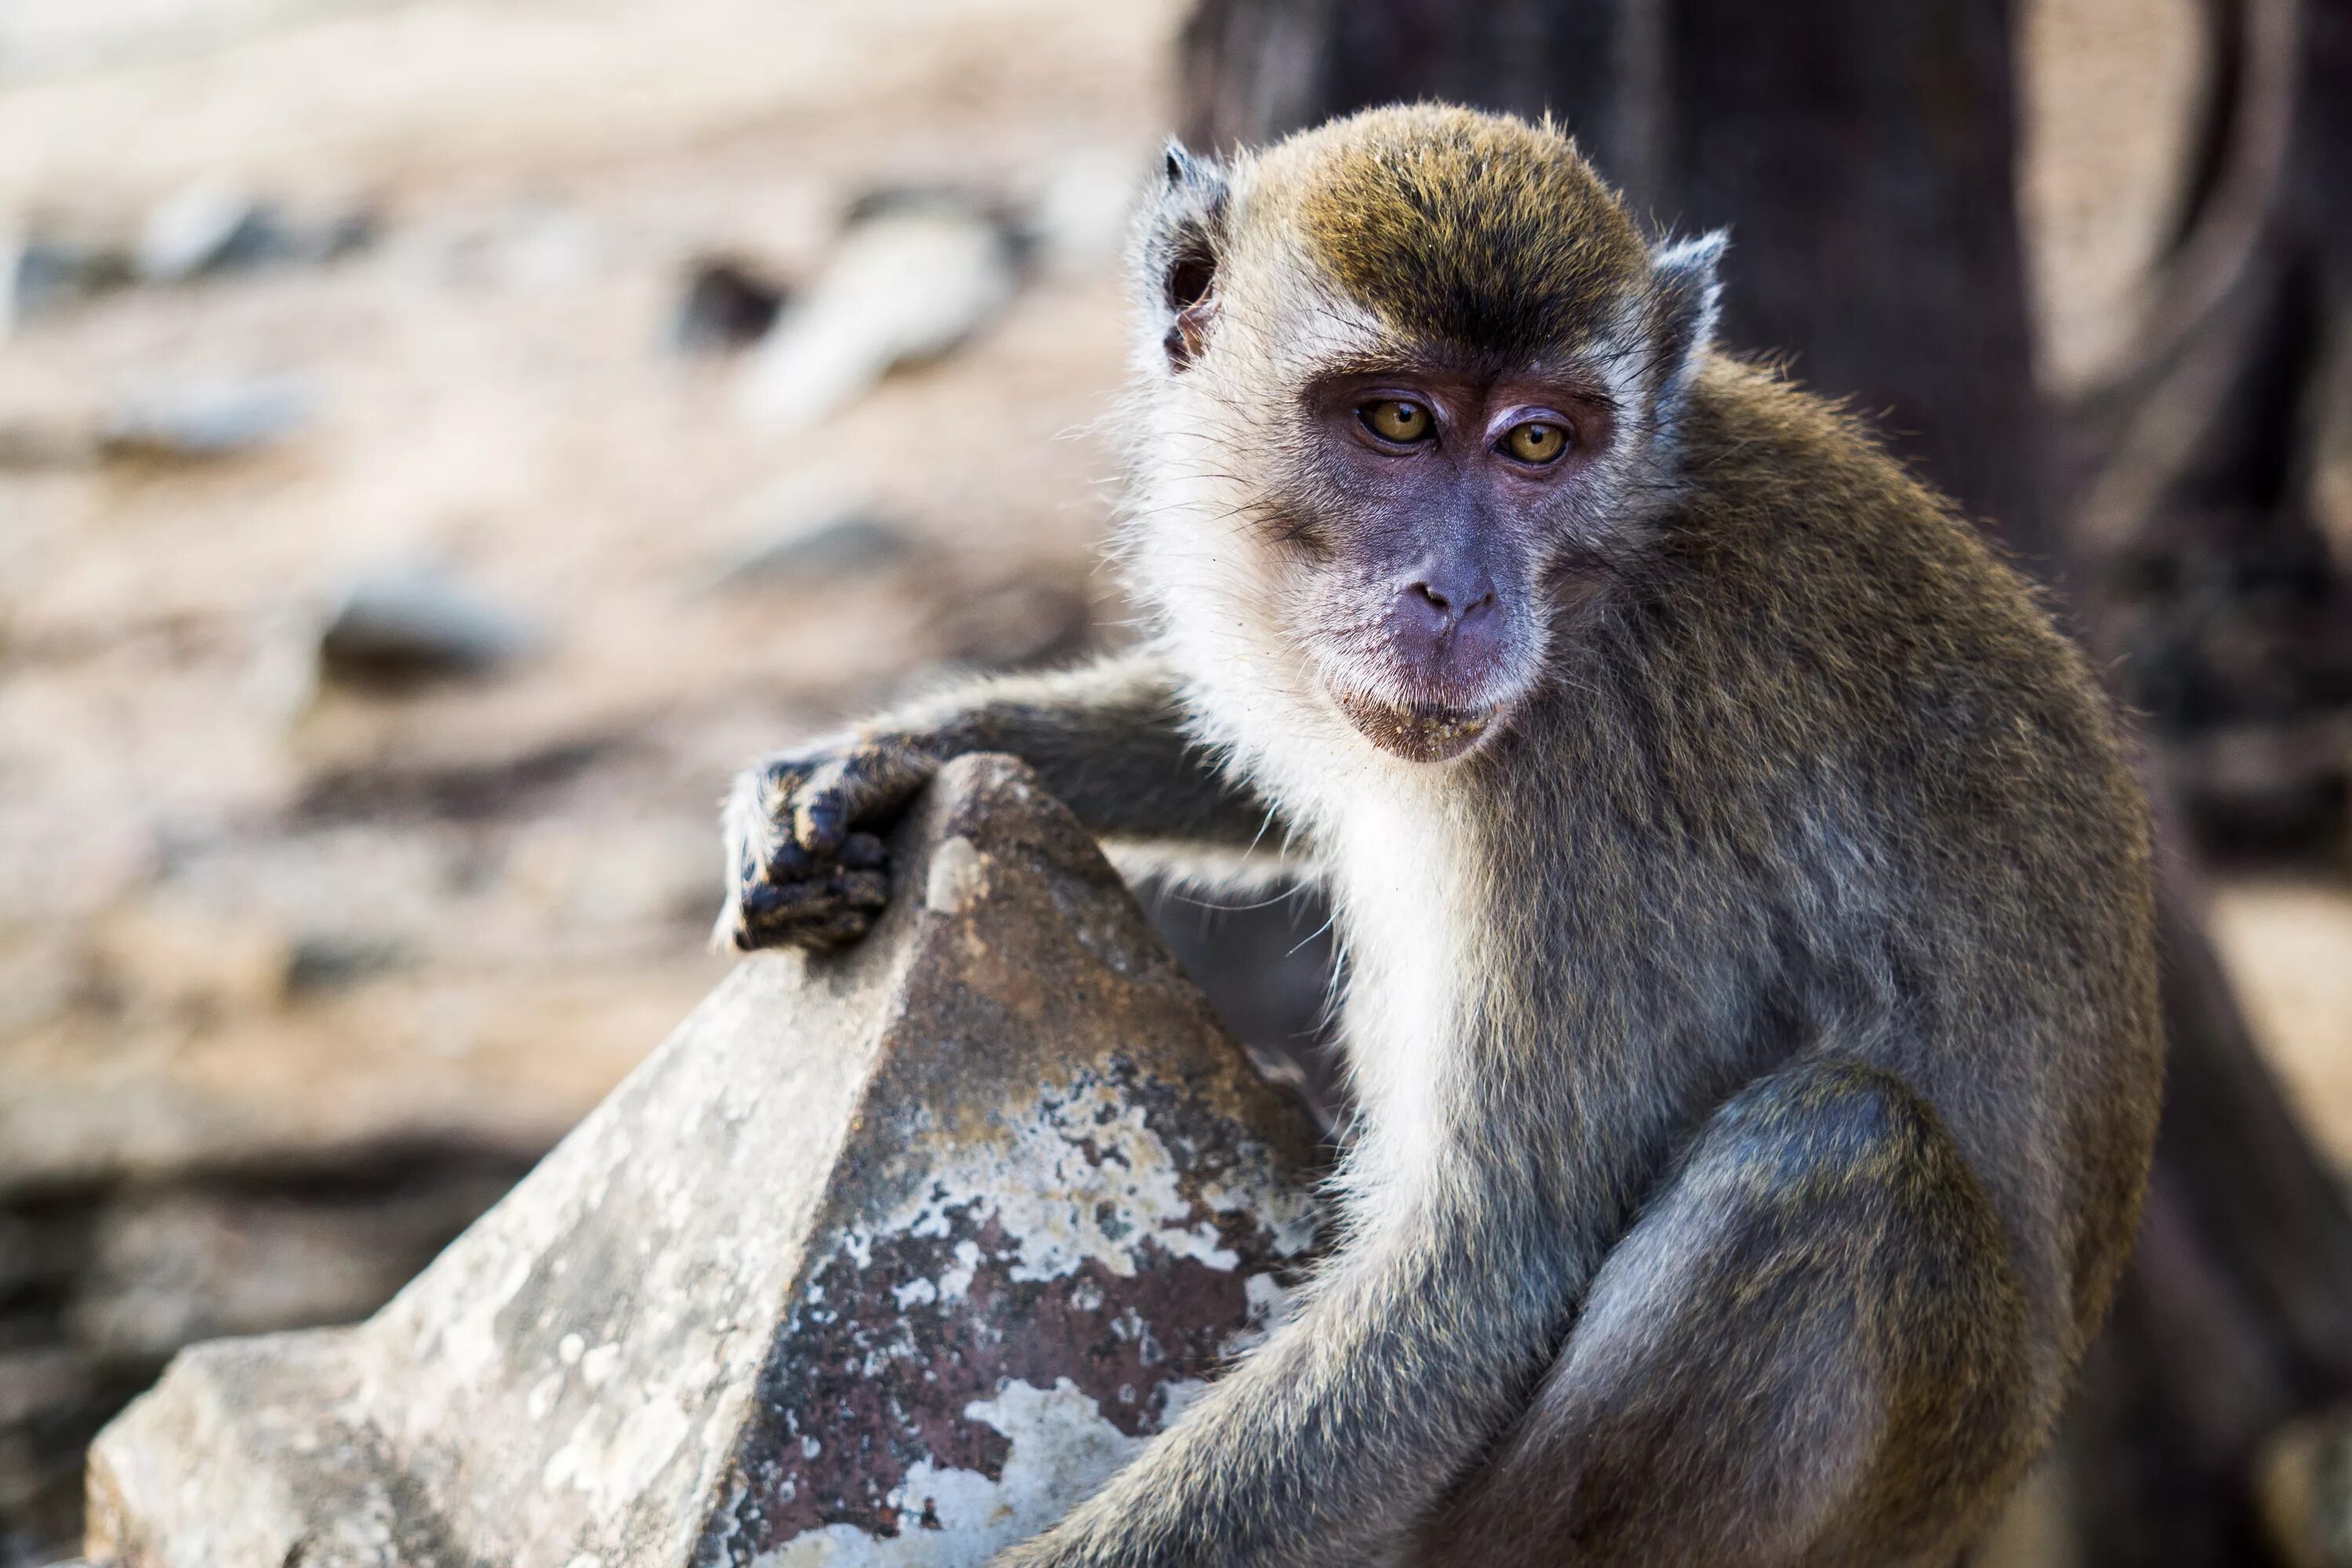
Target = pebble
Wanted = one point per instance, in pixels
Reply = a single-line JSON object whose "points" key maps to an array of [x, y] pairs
{"points": [[201, 418], [914, 278], [39, 274], [411, 627], [209, 227], [726, 304], [824, 546]]}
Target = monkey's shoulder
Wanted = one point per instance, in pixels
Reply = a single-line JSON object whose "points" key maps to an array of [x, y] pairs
{"points": [[1791, 519], [1809, 581]]}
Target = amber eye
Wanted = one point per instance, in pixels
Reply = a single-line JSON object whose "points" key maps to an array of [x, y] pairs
{"points": [[1396, 420], [1534, 442]]}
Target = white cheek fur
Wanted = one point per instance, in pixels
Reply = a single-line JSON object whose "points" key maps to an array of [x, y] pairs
{"points": [[1376, 823]]}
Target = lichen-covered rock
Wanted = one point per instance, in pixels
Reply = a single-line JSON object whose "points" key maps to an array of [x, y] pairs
{"points": [[883, 1258]]}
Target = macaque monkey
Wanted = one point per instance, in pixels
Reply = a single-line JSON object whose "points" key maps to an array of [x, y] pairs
{"points": [[1744, 893]]}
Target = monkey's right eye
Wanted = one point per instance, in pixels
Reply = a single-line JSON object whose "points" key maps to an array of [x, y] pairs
{"points": [[1396, 420]]}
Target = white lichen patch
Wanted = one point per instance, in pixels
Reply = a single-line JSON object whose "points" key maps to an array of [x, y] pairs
{"points": [[958, 877], [1062, 1448], [1083, 1178]]}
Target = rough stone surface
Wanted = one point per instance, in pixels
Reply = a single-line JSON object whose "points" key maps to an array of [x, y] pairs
{"points": [[886, 1257]]}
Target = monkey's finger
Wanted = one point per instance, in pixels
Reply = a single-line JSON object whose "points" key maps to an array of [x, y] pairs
{"points": [[835, 927], [770, 903], [863, 889], [758, 821], [857, 786], [806, 913], [835, 930], [864, 852], [815, 897]]}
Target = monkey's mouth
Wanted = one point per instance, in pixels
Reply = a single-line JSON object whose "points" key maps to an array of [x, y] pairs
{"points": [[1417, 732]]}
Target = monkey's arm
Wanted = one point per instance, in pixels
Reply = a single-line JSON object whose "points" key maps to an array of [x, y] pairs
{"points": [[1343, 1429], [804, 867], [1814, 1348]]}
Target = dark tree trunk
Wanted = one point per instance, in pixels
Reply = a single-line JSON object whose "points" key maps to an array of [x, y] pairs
{"points": [[2216, 467], [1862, 154]]}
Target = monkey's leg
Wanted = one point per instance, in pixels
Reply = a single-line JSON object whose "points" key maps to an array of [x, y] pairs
{"points": [[804, 861], [1811, 1348]]}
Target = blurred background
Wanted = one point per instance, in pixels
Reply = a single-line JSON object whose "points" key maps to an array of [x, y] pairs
{"points": [[440, 440]]}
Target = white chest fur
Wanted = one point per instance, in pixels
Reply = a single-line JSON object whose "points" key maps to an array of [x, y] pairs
{"points": [[1397, 890]]}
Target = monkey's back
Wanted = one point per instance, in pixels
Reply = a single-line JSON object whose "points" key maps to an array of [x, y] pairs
{"points": [[1870, 717]]}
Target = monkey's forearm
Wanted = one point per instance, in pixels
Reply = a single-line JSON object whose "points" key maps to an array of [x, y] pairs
{"points": [[1107, 740], [1327, 1445], [806, 868]]}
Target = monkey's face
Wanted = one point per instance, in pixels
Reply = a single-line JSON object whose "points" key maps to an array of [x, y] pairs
{"points": [[1425, 509], [1402, 383]]}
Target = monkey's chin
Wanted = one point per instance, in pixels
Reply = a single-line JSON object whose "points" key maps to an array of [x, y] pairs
{"points": [[1418, 732]]}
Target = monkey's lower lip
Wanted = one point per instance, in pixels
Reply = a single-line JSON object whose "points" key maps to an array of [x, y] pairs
{"points": [[1417, 732]]}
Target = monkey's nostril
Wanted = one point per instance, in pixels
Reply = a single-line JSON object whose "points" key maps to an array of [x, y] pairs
{"points": [[1453, 602]]}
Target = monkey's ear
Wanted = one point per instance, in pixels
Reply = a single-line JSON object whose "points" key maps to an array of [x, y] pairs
{"points": [[1689, 297], [1183, 226]]}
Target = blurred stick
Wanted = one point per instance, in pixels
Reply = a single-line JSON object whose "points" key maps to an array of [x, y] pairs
{"points": [[1864, 155]]}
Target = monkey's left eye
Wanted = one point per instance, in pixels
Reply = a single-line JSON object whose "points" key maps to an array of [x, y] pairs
{"points": [[1534, 442], [1396, 420]]}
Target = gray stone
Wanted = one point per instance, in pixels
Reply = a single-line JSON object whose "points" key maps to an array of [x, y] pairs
{"points": [[819, 548], [726, 304], [884, 1257], [411, 626], [913, 278], [39, 273], [199, 419], [209, 227]]}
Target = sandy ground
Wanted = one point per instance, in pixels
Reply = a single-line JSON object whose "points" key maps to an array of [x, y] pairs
{"points": [[527, 862]]}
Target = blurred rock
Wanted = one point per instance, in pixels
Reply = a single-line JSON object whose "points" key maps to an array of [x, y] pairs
{"points": [[886, 1257], [199, 419], [728, 304], [38, 274], [209, 227], [842, 539], [352, 232], [324, 961], [914, 275], [407, 627]]}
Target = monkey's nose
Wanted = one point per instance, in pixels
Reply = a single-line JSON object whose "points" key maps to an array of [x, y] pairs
{"points": [[1438, 605]]}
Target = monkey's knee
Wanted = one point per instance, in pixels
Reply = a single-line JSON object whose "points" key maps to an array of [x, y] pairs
{"points": [[1810, 1348]]}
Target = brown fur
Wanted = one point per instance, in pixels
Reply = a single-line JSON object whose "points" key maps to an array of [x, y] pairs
{"points": [[1756, 1028], [1439, 221]]}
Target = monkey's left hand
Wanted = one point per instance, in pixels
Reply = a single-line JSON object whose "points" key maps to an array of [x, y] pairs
{"points": [[803, 867]]}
